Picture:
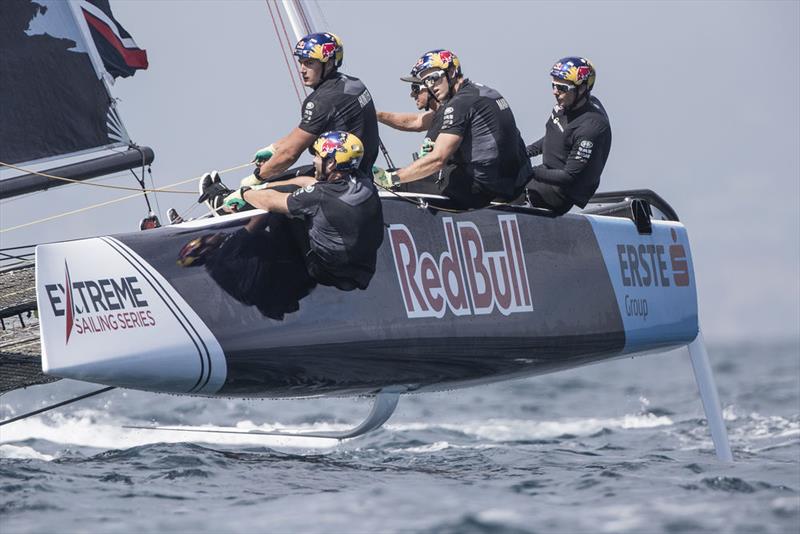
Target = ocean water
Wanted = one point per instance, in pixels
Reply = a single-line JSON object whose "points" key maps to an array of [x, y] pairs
{"points": [[614, 447]]}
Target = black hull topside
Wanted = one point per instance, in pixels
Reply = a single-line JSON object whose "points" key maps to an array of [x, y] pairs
{"points": [[457, 299], [358, 342]]}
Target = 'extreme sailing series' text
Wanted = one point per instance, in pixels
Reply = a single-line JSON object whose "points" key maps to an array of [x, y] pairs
{"points": [[103, 305], [466, 278]]}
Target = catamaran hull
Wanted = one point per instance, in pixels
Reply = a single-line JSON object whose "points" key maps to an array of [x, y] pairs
{"points": [[457, 299]]}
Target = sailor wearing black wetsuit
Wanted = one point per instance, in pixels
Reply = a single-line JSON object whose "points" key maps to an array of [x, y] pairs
{"points": [[576, 143], [478, 134], [426, 119], [343, 103], [339, 102], [344, 225], [490, 161], [339, 217]]}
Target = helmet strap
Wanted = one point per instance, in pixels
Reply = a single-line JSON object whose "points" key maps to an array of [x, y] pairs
{"points": [[580, 97], [324, 175], [327, 73], [430, 95], [451, 82]]}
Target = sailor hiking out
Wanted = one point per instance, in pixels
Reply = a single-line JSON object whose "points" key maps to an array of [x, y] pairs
{"points": [[576, 143], [339, 210], [478, 133], [338, 103]]}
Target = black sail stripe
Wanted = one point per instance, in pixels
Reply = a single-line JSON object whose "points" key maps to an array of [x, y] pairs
{"points": [[173, 308]]}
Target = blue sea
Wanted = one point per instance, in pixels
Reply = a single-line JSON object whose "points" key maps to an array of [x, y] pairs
{"points": [[619, 446]]}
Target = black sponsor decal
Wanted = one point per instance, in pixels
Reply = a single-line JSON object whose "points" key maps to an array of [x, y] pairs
{"points": [[93, 306]]}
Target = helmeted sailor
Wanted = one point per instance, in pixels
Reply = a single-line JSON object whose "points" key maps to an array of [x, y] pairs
{"points": [[338, 102], [339, 211], [426, 120], [576, 143], [478, 134]]}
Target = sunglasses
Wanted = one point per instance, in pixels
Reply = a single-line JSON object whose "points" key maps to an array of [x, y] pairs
{"points": [[415, 89], [431, 79], [563, 87]]}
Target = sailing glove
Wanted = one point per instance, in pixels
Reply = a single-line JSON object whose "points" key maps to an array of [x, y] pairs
{"points": [[235, 201], [385, 179], [250, 181], [264, 154], [426, 148]]}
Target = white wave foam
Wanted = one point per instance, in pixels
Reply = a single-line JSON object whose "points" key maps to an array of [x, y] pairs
{"points": [[520, 429], [88, 428], [22, 453], [433, 447]]}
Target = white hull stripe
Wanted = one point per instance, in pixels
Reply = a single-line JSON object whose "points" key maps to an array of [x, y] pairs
{"points": [[197, 340]]}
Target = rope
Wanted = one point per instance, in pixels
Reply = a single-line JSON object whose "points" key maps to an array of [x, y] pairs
{"points": [[283, 53], [114, 201], [304, 19], [105, 186], [420, 203], [289, 45]]}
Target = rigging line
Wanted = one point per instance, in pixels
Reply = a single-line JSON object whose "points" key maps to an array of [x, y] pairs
{"points": [[17, 292], [22, 257], [420, 203], [283, 53], [165, 189], [289, 46], [325, 23], [101, 204], [105, 186], [57, 405], [386, 154], [153, 182], [141, 182], [17, 248], [303, 18]]}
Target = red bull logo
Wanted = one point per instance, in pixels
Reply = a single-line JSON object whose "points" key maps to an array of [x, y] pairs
{"points": [[466, 279], [328, 49], [328, 146], [583, 72], [445, 56]]}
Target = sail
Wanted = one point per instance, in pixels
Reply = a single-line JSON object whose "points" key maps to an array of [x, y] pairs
{"points": [[54, 89]]}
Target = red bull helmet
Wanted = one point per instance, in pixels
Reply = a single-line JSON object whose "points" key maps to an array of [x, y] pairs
{"points": [[436, 59], [322, 47], [577, 70], [346, 148]]}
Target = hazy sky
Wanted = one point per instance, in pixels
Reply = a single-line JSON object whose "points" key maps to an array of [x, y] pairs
{"points": [[704, 101]]}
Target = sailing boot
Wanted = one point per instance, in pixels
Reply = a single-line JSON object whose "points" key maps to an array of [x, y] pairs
{"points": [[173, 216], [212, 192]]}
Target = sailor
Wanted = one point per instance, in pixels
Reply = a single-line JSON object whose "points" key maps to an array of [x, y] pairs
{"points": [[338, 102], [426, 119], [339, 216], [478, 133], [576, 143]]}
